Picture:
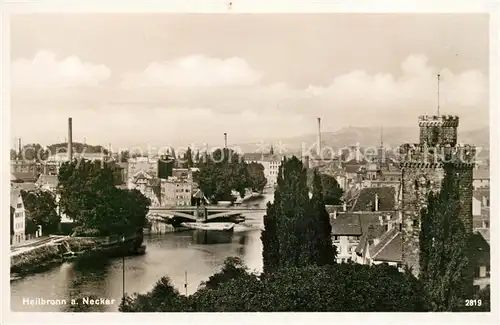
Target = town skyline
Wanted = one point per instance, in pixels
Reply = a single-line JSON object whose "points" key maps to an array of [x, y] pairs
{"points": [[155, 77]]}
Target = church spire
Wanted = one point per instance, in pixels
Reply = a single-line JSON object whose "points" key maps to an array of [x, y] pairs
{"points": [[272, 150], [381, 136]]}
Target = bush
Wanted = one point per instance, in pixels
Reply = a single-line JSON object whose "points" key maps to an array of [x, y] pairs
{"points": [[330, 288]]}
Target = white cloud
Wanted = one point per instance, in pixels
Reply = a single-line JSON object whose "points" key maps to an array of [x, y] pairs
{"points": [[195, 71], [417, 86], [199, 95], [46, 71]]}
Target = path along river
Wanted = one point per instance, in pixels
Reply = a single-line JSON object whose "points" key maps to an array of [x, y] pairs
{"points": [[200, 254]]}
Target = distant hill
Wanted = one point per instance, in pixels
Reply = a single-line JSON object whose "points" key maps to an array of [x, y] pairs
{"points": [[364, 136], [77, 147]]}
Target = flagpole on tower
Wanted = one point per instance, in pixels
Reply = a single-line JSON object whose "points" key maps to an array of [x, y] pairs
{"points": [[438, 79]]}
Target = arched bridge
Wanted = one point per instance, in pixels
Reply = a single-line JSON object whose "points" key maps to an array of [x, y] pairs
{"points": [[197, 213]]}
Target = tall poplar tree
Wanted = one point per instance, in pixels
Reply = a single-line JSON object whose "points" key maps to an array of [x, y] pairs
{"points": [[446, 269], [322, 234], [297, 229]]}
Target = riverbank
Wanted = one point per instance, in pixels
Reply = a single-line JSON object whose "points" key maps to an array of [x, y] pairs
{"points": [[49, 255]]}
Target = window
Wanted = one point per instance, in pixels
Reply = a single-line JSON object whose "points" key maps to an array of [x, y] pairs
{"points": [[482, 271], [19, 205], [415, 223]]}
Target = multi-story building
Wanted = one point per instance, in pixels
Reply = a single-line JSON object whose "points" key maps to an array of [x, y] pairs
{"points": [[17, 217], [147, 184], [481, 209], [481, 176], [357, 231], [176, 191], [270, 162], [422, 171]]}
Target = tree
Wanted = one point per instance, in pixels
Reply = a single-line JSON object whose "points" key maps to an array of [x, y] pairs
{"points": [[332, 192], [232, 268], [34, 152], [163, 298], [197, 157], [124, 156], [288, 218], [322, 229], [89, 197], [222, 173], [257, 179], [445, 267], [312, 288], [41, 210], [12, 213], [30, 226], [188, 158]]}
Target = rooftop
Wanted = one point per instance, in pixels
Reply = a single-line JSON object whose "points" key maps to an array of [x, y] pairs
{"points": [[24, 176], [480, 193], [50, 180], [14, 196], [28, 187], [352, 169], [372, 231], [346, 225], [356, 223], [366, 199], [485, 233], [481, 249], [258, 156], [389, 248]]}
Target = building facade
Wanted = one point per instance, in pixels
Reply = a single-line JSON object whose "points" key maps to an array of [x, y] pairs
{"points": [[422, 172], [17, 217], [176, 191], [148, 185], [481, 177]]}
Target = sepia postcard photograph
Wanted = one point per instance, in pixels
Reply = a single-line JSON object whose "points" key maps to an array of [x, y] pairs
{"points": [[167, 162]]}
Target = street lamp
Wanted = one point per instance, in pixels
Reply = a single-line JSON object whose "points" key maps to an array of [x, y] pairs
{"points": [[123, 270]]}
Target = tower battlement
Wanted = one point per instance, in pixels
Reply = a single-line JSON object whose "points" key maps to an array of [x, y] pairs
{"points": [[416, 153], [438, 129], [422, 172], [434, 120]]}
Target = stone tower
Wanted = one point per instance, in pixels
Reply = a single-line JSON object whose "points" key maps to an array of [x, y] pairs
{"points": [[422, 171]]}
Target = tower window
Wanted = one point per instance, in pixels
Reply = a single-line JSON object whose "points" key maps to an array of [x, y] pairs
{"points": [[415, 223]]}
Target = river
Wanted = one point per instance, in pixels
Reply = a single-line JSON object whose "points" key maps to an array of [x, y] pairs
{"points": [[195, 254]]}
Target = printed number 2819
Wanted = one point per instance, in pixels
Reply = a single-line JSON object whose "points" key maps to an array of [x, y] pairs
{"points": [[473, 302]]}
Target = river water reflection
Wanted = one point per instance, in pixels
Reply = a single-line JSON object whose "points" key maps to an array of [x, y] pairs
{"points": [[200, 254]]}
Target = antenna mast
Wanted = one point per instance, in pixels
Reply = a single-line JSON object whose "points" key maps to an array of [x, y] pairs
{"points": [[438, 79]]}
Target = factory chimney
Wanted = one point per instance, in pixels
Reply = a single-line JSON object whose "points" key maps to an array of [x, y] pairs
{"points": [[318, 140], [70, 139], [225, 140], [20, 149]]}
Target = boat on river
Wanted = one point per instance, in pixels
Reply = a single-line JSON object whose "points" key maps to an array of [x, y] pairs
{"points": [[210, 226]]}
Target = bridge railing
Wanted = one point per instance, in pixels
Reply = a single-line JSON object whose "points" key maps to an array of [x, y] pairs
{"points": [[210, 208]]}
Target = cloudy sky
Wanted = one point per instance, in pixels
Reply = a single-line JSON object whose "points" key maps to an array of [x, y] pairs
{"points": [[176, 79]]}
